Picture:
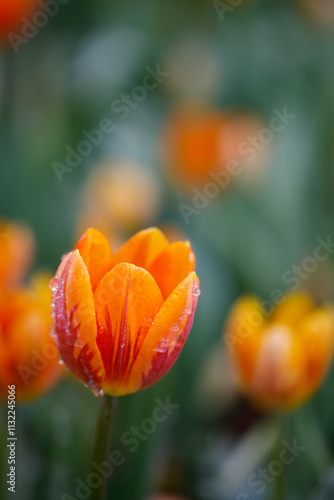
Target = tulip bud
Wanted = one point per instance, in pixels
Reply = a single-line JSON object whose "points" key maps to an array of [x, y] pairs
{"points": [[121, 320]]}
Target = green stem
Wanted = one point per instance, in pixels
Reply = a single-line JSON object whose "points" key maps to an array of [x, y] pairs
{"points": [[102, 441], [278, 487]]}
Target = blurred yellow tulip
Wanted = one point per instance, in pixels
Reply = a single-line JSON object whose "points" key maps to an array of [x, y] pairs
{"points": [[279, 360], [118, 198]]}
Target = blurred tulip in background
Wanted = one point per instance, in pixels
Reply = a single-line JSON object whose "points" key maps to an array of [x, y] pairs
{"points": [[12, 14], [200, 142], [119, 197], [281, 359], [28, 355]]}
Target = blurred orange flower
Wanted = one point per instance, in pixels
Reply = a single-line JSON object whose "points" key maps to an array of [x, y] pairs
{"points": [[28, 354], [198, 141], [16, 252], [12, 12], [192, 142], [280, 360], [121, 320], [117, 197]]}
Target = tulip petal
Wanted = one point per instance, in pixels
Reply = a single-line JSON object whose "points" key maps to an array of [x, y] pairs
{"points": [[167, 335], [280, 368], [126, 302], [242, 336], [316, 335], [74, 320], [96, 254], [142, 249], [293, 309], [172, 266]]}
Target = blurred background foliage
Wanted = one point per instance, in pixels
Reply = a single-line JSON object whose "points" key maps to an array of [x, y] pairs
{"points": [[263, 55]]}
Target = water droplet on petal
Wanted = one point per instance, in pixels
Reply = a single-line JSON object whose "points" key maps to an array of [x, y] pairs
{"points": [[54, 284], [162, 347], [99, 393], [197, 291]]}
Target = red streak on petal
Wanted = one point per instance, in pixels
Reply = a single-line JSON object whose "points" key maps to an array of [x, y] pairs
{"points": [[162, 362], [67, 334], [119, 356]]}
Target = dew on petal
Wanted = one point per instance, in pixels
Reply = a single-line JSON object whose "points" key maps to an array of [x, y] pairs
{"points": [[54, 284], [78, 343], [162, 347]]}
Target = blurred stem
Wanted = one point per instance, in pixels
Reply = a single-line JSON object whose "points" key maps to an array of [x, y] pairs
{"points": [[278, 487], [102, 441]]}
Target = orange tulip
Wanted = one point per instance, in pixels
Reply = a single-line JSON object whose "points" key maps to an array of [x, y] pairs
{"points": [[198, 142], [12, 12], [16, 251], [280, 360], [28, 354], [120, 321], [192, 142]]}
